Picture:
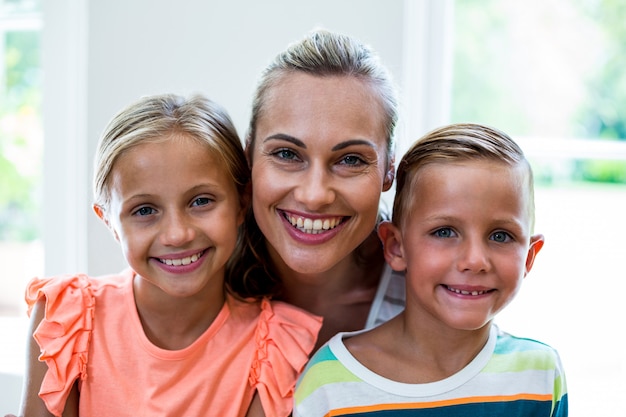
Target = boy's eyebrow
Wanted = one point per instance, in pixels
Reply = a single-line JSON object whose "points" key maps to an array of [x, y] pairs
{"points": [[337, 147]]}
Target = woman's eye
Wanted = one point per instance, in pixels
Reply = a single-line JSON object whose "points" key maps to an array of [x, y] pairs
{"points": [[501, 237], [144, 211], [287, 154], [351, 160], [444, 232]]}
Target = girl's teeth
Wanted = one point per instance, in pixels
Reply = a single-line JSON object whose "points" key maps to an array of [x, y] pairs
{"points": [[184, 261]]}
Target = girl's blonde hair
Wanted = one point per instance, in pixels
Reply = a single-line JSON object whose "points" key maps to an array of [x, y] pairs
{"points": [[163, 117], [158, 117]]}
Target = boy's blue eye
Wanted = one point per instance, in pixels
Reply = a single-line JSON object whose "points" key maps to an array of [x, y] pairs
{"points": [[444, 232], [144, 211], [500, 237]]}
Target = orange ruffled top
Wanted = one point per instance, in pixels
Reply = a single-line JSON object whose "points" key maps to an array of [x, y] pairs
{"points": [[92, 333]]}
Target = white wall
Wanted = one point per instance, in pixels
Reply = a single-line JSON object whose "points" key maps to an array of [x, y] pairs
{"points": [[100, 55]]}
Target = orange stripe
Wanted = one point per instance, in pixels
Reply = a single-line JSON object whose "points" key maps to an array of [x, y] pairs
{"points": [[442, 403]]}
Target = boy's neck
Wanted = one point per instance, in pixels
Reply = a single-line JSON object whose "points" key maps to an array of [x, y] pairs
{"points": [[420, 353]]}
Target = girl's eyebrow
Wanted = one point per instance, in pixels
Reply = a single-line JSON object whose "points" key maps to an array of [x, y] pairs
{"points": [[337, 147]]}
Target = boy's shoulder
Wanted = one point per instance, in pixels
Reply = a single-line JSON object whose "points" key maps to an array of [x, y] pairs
{"points": [[524, 352]]}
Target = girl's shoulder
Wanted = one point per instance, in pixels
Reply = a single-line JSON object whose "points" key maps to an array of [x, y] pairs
{"points": [[64, 332], [284, 338]]}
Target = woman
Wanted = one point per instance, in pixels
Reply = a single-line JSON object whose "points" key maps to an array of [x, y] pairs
{"points": [[320, 146]]}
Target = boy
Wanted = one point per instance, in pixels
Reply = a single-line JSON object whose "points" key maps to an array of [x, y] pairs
{"points": [[462, 227]]}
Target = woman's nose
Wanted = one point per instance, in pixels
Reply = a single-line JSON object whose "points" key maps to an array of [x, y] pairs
{"points": [[316, 188]]}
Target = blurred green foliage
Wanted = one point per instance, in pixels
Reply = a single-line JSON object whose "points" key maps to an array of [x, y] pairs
{"points": [[20, 136], [513, 62]]}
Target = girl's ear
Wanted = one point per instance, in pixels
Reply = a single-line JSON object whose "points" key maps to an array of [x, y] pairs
{"points": [[391, 237], [536, 243], [102, 216]]}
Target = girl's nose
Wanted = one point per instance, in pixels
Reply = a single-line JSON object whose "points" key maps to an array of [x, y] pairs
{"points": [[176, 230], [316, 189]]}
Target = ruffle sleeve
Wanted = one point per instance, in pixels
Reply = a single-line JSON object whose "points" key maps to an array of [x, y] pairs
{"points": [[63, 334], [284, 337]]}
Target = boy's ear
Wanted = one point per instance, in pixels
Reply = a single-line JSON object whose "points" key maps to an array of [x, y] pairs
{"points": [[391, 238], [102, 216], [536, 243]]}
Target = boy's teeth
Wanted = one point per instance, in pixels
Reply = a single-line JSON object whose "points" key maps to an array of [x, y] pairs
{"points": [[312, 226], [463, 292], [183, 261]]}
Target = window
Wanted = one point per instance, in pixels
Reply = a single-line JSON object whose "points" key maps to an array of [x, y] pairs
{"points": [[550, 73], [21, 153]]}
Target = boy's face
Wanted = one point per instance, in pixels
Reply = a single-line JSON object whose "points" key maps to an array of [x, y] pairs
{"points": [[465, 243]]}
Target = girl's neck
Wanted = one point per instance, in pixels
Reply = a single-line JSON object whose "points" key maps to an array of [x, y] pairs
{"points": [[174, 323]]}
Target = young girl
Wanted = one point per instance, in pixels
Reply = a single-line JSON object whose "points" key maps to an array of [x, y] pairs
{"points": [[165, 337]]}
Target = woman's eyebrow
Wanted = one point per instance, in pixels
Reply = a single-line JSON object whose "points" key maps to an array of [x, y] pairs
{"points": [[282, 136], [352, 142]]}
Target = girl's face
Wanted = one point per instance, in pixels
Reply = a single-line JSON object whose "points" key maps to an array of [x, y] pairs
{"points": [[175, 211], [319, 167], [466, 242]]}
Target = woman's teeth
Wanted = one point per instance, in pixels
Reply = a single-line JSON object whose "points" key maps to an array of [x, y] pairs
{"points": [[314, 226]]}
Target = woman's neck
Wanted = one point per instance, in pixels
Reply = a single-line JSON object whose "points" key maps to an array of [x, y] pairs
{"points": [[342, 295]]}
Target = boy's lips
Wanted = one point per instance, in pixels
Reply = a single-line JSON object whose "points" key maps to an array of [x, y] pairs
{"points": [[472, 292]]}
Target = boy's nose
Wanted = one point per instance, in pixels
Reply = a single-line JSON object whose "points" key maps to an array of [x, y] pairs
{"points": [[474, 257]]}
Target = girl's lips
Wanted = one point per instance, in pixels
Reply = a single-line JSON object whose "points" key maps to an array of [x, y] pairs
{"points": [[181, 264]]}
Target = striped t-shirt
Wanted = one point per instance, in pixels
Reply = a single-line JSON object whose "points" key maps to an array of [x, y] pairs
{"points": [[511, 376]]}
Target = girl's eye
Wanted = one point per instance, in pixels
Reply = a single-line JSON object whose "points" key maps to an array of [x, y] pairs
{"points": [[201, 201], [144, 211], [501, 237], [444, 232]]}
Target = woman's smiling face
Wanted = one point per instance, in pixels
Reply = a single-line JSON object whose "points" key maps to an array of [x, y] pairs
{"points": [[320, 163]]}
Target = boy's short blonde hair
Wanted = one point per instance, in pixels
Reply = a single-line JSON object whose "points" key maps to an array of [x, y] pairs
{"points": [[456, 143]]}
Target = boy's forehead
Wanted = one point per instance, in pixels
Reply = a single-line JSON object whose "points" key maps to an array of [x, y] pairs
{"points": [[472, 178]]}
